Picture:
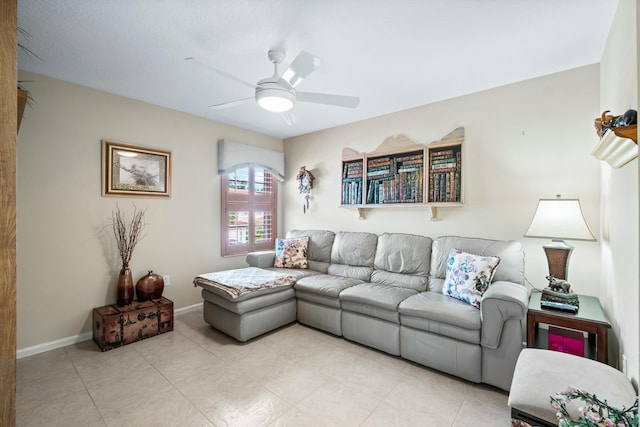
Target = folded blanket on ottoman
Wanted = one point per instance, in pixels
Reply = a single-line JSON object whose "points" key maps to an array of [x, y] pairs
{"points": [[242, 281]]}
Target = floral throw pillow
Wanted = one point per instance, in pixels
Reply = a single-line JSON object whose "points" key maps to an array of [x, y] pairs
{"points": [[469, 276], [292, 253]]}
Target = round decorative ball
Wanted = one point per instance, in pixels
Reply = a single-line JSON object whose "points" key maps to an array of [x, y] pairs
{"points": [[150, 286]]}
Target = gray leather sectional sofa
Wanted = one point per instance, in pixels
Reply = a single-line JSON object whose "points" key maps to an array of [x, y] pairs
{"points": [[385, 291]]}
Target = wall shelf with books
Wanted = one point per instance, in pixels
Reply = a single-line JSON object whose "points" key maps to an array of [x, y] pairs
{"points": [[402, 173], [395, 178], [392, 175], [445, 172], [352, 178]]}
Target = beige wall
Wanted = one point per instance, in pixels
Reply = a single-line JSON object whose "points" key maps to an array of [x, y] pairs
{"points": [[67, 262], [524, 141], [619, 226]]}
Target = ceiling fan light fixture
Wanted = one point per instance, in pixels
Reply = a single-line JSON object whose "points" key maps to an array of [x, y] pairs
{"points": [[275, 100]]}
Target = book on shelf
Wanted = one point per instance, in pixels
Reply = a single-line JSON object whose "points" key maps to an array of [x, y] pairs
{"points": [[378, 172], [448, 165], [441, 153]]}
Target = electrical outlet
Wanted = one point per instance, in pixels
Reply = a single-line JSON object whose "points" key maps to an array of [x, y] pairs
{"points": [[167, 280], [624, 365]]}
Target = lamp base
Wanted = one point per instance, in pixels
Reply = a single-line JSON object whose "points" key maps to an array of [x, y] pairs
{"points": [[558, 253]]}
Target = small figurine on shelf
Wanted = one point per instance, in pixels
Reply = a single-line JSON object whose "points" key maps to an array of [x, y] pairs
{"points": [[559, 291], [607, 121], [305, 184], [559, 285]]}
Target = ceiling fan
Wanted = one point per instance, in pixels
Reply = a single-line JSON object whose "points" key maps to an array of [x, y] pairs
{"points": [[278, 93]]}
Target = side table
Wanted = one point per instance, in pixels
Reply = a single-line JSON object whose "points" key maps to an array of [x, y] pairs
{"points": [[590, 318]]}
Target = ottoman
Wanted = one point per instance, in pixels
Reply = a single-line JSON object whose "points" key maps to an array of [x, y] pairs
{"points": [[247, 302], [540, 374]]}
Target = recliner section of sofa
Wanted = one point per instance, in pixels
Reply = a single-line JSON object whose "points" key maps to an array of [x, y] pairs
{"points": [[386, 292], [351, 264], [449, 335], [370, 310]]}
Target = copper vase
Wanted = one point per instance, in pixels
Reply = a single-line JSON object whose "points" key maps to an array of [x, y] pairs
{"points": [[125, 287], [150, 286]]}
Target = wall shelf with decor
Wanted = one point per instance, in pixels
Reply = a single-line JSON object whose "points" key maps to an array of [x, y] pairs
{"points": [[624, 126], [630, 132], [402, 173], [618, 143]]}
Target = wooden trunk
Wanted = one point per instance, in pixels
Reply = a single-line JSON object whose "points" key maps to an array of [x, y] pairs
{"points": [[115, 326]]}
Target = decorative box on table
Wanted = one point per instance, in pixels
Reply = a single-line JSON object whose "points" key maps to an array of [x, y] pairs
{"points": [[561, 297], [115, 326], [566, 341]]}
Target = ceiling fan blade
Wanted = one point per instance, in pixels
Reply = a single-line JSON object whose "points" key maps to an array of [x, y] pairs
{"points": [[303, 65], [288, 118], [325, 98], [220, 72], [231, 103]]}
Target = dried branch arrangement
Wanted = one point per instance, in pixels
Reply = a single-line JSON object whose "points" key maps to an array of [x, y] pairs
{"points": [[127, 235]]}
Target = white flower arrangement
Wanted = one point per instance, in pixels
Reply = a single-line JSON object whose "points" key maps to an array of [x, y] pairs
{"points": [[595, 412]]}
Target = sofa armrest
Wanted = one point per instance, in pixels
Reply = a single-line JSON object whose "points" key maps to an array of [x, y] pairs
{"points": [[503, 301], [261, 259]]}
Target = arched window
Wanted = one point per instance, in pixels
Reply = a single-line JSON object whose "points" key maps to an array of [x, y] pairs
{"points": [[249, 206]]}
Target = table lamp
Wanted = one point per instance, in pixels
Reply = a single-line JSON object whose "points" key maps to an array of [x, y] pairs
{"points": [[559, 219]]}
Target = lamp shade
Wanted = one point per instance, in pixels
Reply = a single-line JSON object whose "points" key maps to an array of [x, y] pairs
{"points": [[559, 219], [615, 150]]}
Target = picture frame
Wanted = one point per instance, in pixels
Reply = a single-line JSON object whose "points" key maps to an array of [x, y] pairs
{"points": [[129, 170]]}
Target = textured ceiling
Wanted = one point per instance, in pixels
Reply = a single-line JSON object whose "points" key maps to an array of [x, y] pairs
{"points": [[394, 55]]}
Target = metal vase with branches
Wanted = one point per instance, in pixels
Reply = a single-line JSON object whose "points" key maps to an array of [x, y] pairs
{"points": [[127, 235]]}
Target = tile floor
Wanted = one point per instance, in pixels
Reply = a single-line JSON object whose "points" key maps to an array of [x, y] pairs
{"points": [[196, 376]]}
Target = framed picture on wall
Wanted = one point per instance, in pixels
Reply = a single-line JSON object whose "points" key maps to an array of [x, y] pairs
{"points": [[128, 170]]}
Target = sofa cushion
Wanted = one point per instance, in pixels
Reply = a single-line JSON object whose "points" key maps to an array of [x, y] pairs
{"points": [[435, 306], [402, 260], [353, 248], [468, 276], [355, 272], [352, 255], [319, 300], [430, 309], [320, 243], [325, 284], [323, 289], [375, 300], [510, 253], [246, 305], [292, 253]]}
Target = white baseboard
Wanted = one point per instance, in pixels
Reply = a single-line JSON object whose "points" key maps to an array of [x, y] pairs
{"points": [[184, 310], [52, 345], [85, 336]]}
